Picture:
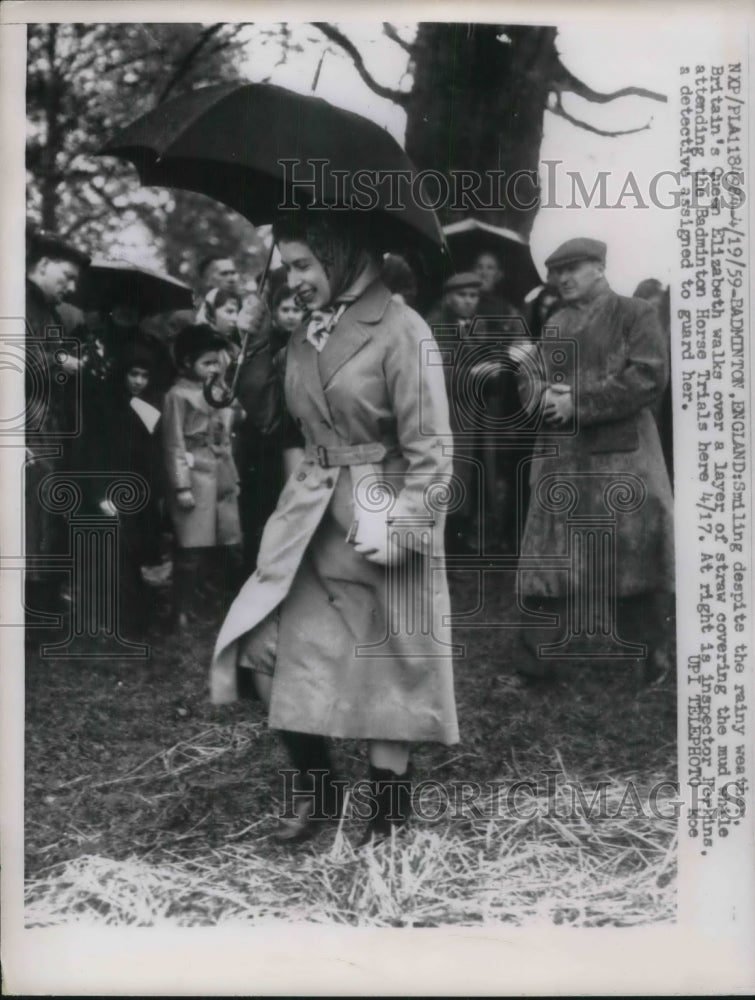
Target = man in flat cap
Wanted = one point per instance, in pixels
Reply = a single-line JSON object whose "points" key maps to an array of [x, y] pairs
{"points": [[598, 477], [52, 272]]}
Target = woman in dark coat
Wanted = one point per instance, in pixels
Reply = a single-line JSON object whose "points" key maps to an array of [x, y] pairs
{"points": [[128, 441], [356, 539]]}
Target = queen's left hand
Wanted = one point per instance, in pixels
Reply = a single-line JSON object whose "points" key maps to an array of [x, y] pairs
{"points": [[374, 540]]}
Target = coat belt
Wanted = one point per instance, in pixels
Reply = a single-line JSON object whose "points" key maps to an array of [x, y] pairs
{"points": [[354, 454]]}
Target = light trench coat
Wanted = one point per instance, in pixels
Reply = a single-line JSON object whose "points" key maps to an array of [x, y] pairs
{"points": [[363, 651], [197, 452]]}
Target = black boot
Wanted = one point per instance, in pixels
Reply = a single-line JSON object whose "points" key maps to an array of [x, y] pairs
{"points": [[185, 584], [392, 801], [318, 795]]}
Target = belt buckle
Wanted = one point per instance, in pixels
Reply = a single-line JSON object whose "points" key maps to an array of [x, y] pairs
{"points": [[322, 456]]}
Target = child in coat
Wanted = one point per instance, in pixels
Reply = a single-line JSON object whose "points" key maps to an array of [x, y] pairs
{"points": [[202, 481]]}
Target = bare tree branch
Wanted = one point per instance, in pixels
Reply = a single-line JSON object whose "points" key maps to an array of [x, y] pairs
{"points": [[338, 38], [101, 191], [558, 109], [84, 220], [563, 80], [390, 32], [184, 64], [131, 60]]}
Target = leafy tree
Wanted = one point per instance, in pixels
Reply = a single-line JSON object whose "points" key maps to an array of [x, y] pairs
{"points": [[84, 81]]}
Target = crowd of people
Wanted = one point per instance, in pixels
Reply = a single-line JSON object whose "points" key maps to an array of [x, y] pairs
{"points": [[254, 497]]}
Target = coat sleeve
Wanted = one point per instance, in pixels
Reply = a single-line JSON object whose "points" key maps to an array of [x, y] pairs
{"points": [[417, 392], [638, 383], [531, 378], [177, 474], [260, 388]]}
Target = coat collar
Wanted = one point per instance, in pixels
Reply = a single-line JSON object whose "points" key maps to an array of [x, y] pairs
{"points": [[35, 294], [350, 336], [369, 308]]}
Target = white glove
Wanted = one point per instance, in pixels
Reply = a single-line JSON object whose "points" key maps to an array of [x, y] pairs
{"points": [[369, 535]]}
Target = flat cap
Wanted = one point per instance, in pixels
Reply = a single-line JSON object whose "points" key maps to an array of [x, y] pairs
{"points": [[42, 243], [582, 248], [464, 279]]}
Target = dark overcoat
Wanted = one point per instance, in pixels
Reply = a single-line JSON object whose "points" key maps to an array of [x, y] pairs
{"points": [[363, 651], [51, 418], [483, 406], [613, 461]]}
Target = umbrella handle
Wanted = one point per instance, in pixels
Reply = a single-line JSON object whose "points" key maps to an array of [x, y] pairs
{"points": [[219, 397]]}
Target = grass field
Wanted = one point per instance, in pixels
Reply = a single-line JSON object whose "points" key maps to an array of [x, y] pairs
{"points": [[145, 804]]}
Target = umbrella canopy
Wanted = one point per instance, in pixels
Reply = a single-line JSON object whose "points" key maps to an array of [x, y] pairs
{"points": [[471, 237], [111, 282], [227, 141]]}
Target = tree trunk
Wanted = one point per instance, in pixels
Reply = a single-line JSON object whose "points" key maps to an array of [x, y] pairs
{"points": [[478, 102], [49, 172]]}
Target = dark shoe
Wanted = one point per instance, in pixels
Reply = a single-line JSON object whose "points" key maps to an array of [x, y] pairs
{"points": [[299, 829], [322, 805], [534, 672], [392, 800], [319, 793]]}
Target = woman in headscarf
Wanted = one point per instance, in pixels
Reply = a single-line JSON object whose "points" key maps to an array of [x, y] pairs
{"points": [[344, 622], [220, 309]]}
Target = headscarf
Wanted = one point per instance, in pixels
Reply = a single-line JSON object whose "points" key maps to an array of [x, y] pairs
{"points": [[336, 243], [213, 300]]}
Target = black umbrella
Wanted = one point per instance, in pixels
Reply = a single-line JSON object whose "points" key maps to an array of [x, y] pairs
{"points": [[471, 237], [248, 145], [107, 283], [228, 141]]}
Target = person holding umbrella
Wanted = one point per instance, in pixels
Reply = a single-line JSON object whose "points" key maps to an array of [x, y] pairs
{"points": [[314, 622], [317, 620]]}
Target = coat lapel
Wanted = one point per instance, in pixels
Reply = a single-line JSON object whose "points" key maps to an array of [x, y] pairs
{"points": [[308, 375], [347, 339], [353, 331]]}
